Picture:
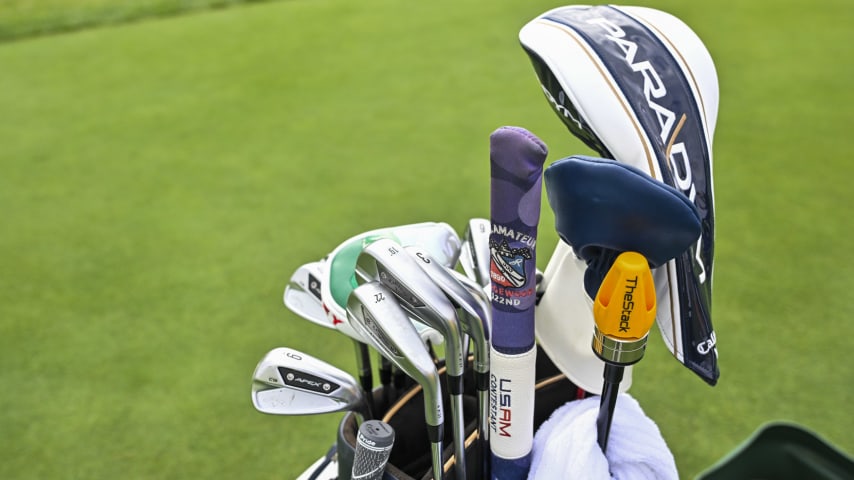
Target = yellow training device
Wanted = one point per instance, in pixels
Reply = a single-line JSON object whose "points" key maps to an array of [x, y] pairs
{"points": [[624, 310]]}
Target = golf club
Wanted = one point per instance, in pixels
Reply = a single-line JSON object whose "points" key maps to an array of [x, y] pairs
{"points": [[475, 324], [374, 311], [303, 297], [474, 252], [387, 262], [289, 382], [624, 311]]}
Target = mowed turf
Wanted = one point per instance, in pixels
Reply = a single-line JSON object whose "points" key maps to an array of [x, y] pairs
{"points": [[25, 18], [160, 181]]}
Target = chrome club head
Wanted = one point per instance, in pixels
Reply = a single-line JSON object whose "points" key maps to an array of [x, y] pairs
{"points": [[376, 314], [303, 297], [474, 252], [386, 262], [289, 382], [474, 321], [302, 294]]}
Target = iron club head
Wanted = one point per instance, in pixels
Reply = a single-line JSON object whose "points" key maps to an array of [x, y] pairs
{"points": [[474, 252], [289, 382], [374, 311], [386, 262]]}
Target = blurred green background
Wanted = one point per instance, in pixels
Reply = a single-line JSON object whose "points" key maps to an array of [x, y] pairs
{"points": [[21, 19], [161, 179]]}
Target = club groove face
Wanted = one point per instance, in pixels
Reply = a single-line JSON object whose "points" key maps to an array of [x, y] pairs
{"points": [[289, 382], [399, 288], [375, 314], [387, 262], [371, 327]]}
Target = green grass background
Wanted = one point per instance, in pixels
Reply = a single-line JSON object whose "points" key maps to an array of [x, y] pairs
{"points": [[21, 19], [161, 180]]}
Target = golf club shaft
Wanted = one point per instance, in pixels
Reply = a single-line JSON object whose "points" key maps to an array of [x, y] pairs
{"points": [[436, 455], [455, 385], [483, 432], [385, 380], [610, 389], [366, 377]]}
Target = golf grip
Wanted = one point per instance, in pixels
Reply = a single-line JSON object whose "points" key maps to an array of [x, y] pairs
{"points": [[516, 166], [373, 447]]}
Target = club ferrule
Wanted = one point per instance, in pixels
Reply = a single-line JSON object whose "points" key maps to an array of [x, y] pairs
{"points": [[616, 351]]}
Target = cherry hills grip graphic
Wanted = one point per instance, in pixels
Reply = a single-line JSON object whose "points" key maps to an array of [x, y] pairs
{"points": [[516, 166]]}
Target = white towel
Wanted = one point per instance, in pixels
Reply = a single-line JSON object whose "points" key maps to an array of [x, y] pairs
{"points": [[565, 445]]}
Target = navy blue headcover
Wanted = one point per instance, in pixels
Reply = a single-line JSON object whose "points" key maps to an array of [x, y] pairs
{"points": [[604, 207]]}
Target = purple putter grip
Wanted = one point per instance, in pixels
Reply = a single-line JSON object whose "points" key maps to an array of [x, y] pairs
{"points": [[516, 159]]}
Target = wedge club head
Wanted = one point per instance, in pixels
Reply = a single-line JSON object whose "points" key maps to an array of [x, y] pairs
{"points": [[302, 294]]}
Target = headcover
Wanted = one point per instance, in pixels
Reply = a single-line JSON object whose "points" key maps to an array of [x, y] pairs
{"points": [[439, 239], [604, 208], [637, 85]]}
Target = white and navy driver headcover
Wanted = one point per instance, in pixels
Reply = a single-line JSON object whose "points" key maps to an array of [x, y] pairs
{"points": [[637, 85]]}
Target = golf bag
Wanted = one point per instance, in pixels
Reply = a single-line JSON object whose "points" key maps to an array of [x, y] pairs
{"points": [[639, 87], [410, 456]]}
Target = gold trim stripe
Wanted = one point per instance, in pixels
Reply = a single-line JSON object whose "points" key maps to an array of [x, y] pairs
{"points": [[612, 87]]}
